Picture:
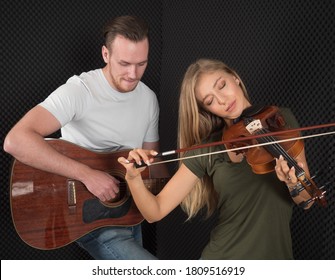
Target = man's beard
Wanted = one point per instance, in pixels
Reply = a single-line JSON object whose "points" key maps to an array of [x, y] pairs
{"points": [[120, 88]]}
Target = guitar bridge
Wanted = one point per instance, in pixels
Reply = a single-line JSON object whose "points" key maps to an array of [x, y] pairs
{"points": [[71, 195]]}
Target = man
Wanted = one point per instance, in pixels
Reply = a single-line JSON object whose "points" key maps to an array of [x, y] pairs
{"points": [[104, 109]]}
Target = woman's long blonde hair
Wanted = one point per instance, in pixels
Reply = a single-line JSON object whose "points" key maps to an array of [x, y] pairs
{"points": [[195, 124]]}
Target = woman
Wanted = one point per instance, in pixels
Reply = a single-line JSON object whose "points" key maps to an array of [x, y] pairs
{"points": [[254, 210]]}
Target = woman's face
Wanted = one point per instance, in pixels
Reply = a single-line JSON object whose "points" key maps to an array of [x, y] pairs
{"points": [[220, 93]]}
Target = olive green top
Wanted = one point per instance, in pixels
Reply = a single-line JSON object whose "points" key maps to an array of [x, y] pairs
{"points": [[254, 210]]}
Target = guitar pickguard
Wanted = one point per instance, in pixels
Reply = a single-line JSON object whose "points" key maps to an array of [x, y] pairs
{"points": [[94, 210]]}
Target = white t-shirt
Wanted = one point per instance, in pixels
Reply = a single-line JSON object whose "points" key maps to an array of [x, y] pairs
{"points": [[95, 116]]}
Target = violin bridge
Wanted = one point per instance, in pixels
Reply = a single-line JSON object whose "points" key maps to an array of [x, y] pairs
{"points": [[253, 126]]}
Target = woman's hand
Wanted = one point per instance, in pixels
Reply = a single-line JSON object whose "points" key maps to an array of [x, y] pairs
{"points": [[141, 157], [286, 174]]}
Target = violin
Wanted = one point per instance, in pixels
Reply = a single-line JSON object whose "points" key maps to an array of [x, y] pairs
{"points": [[262, 120]]}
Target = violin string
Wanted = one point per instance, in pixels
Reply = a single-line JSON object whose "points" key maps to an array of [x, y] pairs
{"points": [[314, 191], [287, 157], [279, 150], [242, 148]]}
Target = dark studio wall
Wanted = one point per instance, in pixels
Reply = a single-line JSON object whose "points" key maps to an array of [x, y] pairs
{"points": [[283, 50]]}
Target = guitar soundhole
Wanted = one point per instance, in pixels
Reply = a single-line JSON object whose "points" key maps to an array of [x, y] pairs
{"points": [[122, 196]]}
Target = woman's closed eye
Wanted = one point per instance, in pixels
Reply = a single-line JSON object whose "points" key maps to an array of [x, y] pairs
{"points": [[208, 101], [221, 85]]}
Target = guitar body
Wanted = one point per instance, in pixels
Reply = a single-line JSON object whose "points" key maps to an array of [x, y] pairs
{"points": [[50, 211]]}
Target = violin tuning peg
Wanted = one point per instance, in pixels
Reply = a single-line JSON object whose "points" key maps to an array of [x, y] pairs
{"points": [[324, 185], [319, 173], [316, 174]]}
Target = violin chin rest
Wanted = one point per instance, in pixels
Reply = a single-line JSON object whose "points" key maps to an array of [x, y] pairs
{"points": [[250, 111], [253, 110]]}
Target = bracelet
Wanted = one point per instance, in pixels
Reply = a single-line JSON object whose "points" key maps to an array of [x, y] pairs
{"points": [[295, 190]]}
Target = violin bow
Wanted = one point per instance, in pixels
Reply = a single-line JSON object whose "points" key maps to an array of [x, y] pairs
{"points": [[274, 133]]}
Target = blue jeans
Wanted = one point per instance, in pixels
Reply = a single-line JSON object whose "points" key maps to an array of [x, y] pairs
{"points": [[115, 243]]}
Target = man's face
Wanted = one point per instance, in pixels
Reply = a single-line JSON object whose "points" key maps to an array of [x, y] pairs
{"points": [[126, 62]]}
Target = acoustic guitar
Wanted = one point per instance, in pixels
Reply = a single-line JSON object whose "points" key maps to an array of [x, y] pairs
{"points": [[50, 211]]}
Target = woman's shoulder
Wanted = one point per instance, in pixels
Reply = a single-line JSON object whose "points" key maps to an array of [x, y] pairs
{"points": [[289, 117], [285, 111]]}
